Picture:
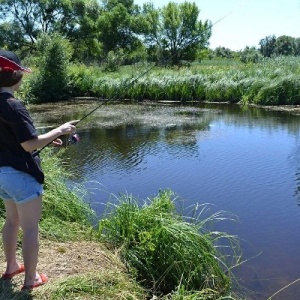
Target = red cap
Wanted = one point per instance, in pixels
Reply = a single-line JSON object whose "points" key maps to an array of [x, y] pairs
{"points": [[9, 61]]}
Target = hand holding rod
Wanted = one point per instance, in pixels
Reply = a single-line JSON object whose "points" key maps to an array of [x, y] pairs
{"points": [[53, 135]]}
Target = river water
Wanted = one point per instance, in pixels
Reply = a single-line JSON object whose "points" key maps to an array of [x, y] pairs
{"points": [[242, 160]]}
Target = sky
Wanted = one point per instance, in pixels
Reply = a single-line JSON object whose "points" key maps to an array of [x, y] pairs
{"points": [[244, 22]]}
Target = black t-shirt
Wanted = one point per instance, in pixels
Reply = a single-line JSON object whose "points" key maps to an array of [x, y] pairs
{"points": [[16, 127]]}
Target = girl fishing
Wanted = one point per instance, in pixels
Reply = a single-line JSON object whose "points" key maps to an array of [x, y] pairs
{"points": [[21, 176]]}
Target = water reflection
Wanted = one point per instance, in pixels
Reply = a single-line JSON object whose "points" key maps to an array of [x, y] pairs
{"points": [[126, 146], [253, 116], [294, 160]]}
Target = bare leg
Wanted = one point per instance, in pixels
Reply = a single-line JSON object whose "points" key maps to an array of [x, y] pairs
{"points": [[29, 216], [10, 236]]}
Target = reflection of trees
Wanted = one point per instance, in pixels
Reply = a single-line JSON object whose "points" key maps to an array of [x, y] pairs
{"points": [[245, 116], [134, 114], [294, 160], [297, 188], [126, 146]]}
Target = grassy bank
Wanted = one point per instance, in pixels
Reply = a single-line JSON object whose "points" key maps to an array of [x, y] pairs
{"points": [[273, 81], [138, 249], [270, 82]]}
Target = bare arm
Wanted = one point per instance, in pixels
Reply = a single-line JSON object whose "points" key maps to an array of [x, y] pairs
{"points": [[47, 138]]}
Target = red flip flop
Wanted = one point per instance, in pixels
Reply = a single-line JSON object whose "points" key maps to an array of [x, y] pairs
{"points": [[37, 283], [11, 275]]}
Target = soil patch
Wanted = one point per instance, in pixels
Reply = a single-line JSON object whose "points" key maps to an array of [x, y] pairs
{"points": [[58, 260]]}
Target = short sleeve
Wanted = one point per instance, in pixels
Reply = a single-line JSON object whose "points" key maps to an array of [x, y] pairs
{"points": [[20, 122]]}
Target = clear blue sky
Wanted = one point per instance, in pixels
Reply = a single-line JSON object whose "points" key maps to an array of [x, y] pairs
{"points": [[246, 22]]}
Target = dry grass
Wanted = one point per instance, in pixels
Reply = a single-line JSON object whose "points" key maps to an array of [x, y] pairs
{"points": [[76, 270]]}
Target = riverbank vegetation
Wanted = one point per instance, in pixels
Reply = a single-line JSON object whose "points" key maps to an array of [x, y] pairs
{"points": [[150, 247], [117, 49], [273, 81]]}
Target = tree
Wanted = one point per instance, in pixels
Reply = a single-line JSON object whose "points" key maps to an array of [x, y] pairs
{"points": [[11, 35], [267, 45], [250, 55], [297, 46], [33, 17], [114, 28], [51, 82], [285, 45], [206, 53], [176, 31], [85, 38], [223, 52], [118, 29], [129, 5]]}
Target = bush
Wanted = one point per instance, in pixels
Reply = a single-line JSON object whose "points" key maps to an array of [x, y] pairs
{"points": [[50, 84], [250, 55], [114, 61], [81, 80]]}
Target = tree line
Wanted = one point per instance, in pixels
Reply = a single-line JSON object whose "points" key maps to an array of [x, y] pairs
{"points": [[270, 46], [96, 30], [122, 32]]}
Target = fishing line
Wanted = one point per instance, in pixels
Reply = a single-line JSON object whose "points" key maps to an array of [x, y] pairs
{"points": [[73, 139]]}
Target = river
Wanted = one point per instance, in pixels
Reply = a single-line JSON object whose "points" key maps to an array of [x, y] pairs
{"points": [[242, 160]]}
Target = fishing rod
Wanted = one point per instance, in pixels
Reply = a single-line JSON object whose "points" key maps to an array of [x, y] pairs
{"points": [[73, 139]]}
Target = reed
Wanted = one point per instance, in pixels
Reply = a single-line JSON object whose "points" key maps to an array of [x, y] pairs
{"points": [[284, 90], [218, 82]]}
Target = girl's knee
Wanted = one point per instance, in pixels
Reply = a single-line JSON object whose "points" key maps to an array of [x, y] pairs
{"points": [[12, 223]]}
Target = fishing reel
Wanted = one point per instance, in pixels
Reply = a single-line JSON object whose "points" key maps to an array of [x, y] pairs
{"points": [[73, 139]]}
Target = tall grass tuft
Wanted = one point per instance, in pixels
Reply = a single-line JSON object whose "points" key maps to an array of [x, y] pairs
{"points": [[164, 249], [65, 215], [282, 91]]}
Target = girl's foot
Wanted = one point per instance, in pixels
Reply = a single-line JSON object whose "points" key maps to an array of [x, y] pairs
{"points": [[6, 275], [39, 280]]}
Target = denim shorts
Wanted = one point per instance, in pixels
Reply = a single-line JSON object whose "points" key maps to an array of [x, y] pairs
{"points": [[18, 186]]}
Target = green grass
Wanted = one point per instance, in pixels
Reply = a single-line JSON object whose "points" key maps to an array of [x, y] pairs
{"points": [[166, 251], [109, 285], [65, 215], [213, 81]]}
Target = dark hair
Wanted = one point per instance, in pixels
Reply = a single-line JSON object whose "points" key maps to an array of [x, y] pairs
{"points": [[8, 79]]}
